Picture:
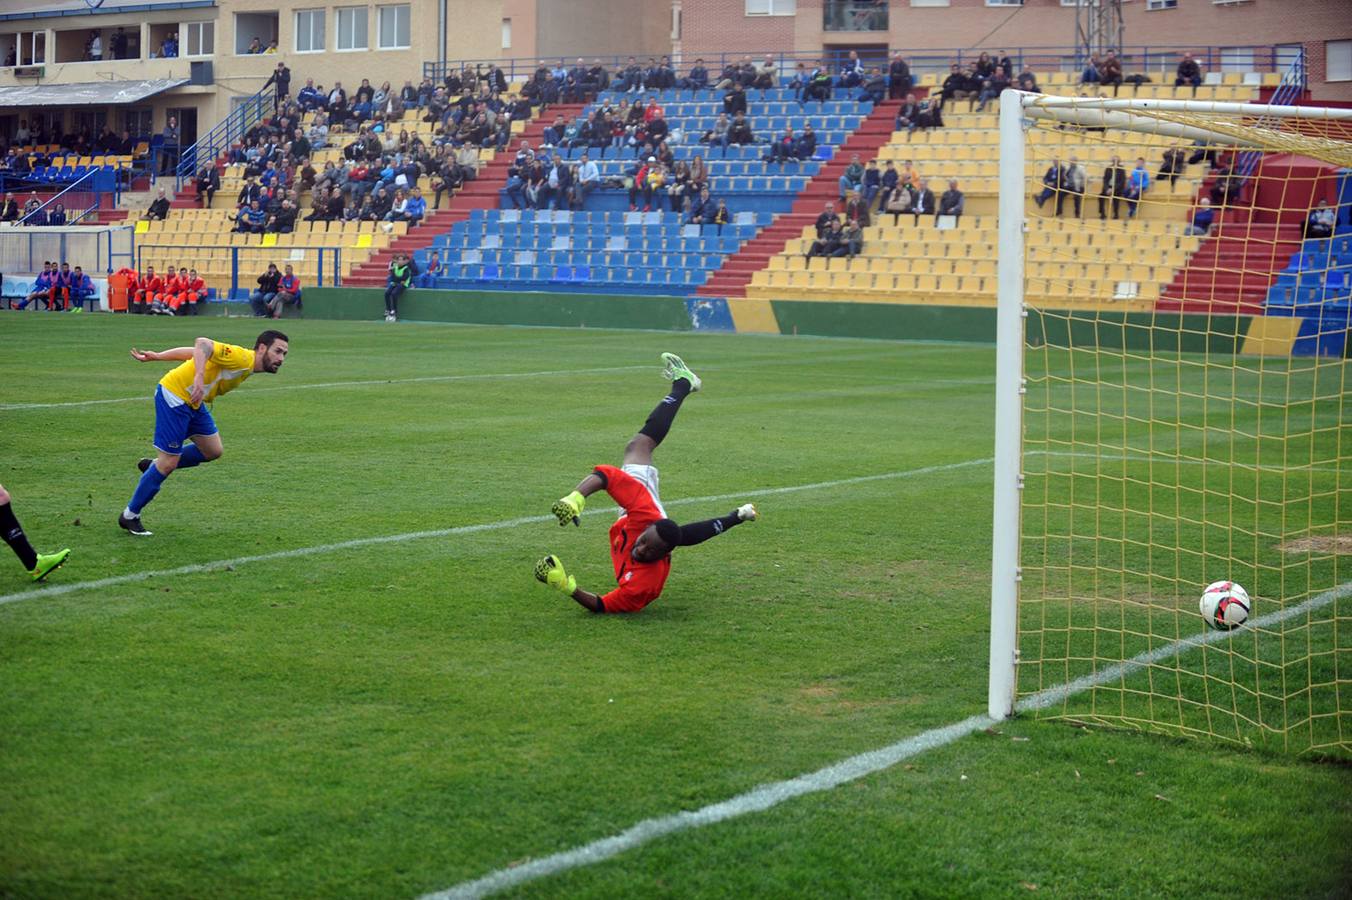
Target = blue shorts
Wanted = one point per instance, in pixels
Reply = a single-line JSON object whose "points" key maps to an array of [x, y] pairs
{"points": [[174, 424]]}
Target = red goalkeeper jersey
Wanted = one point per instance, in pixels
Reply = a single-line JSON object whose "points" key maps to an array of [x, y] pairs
{"points": [[640, 583]]}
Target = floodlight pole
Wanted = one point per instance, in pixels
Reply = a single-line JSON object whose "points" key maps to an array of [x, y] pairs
{"points": [[1009, 391]]}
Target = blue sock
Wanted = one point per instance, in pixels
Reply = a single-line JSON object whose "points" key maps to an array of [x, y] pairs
{"points": [[146, 489], [191, 456]]}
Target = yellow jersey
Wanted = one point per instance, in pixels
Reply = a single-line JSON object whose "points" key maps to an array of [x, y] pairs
{"points": [[226, 369]]}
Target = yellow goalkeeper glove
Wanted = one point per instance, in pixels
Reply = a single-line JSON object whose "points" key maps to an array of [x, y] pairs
{"points": [[568, 508], [550, 571]]}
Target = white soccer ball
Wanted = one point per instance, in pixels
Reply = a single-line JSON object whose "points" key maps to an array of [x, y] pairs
{"points": [[1225, 605]]}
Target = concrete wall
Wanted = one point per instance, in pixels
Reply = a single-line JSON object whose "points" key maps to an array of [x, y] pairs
{"points": [[573, 28]]}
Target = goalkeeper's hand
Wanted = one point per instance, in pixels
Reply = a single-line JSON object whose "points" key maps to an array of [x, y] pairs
{"points": [[567, 509], [550, 571]]}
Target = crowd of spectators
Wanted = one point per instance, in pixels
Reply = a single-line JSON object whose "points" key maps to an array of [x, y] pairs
{"points": [[276, 290], [59, 287]]}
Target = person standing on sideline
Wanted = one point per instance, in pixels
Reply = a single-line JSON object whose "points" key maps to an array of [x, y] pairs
{"points": [[206, 370], [642, 538]]}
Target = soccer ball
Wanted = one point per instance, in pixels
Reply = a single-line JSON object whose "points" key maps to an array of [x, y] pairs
{"points": [[1225, 605]]}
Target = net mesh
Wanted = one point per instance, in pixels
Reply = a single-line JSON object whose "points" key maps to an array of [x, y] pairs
{"points": [[1186, 421]]}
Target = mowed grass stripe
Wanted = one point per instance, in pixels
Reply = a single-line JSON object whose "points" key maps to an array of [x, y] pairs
{"points": [[845, 771], [216, 565]]}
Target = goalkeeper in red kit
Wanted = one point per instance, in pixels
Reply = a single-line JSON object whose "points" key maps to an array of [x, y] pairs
{"points": [[642, 539]]}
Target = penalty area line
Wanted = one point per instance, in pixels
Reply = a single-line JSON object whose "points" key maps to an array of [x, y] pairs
{"points": [[851, 769], [56, 590]]}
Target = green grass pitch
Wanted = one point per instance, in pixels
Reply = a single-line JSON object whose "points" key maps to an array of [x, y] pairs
{"points": [[390, 718]]}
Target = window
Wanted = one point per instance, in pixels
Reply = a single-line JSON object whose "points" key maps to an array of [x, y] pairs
{"points": [[309, 30], [1004, 2], [392, 23], [506, 34], [352, 28], [255, 32], [771, 7], [199, 38], [1338, 60], [137, 120], [29, 48], [929, 2], [1161, 4]]}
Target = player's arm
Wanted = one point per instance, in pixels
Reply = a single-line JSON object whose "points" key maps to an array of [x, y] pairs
{"points": [[569, 509], [550, 571], [202, 349], [177, 354]]}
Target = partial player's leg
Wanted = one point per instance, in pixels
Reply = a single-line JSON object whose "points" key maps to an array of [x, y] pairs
{"points": [[173, 425], [639, 450], [38, 565]]}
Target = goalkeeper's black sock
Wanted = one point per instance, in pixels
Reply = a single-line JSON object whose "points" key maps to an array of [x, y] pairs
{"points": [[699, 532], [14, 536], [660, 419]]}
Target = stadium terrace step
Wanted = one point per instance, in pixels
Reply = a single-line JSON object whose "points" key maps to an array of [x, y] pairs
{"points": [[1234, 268], [872, 133], [481, 193]]}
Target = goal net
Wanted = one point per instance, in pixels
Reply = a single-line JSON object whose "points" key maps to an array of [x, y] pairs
{"points": [[1172, 410]]}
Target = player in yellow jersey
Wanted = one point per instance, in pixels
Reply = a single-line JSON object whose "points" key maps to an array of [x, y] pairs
{"points": [[207, 369]]}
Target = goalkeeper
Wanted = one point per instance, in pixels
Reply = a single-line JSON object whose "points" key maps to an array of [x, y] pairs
{"points": [[642, 539]]}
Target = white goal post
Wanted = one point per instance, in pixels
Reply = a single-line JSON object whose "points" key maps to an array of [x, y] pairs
{"points": [[1242, 700]]}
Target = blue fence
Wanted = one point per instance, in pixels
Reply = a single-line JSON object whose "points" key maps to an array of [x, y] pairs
{"points": [[220, 138], [1135, 58]]}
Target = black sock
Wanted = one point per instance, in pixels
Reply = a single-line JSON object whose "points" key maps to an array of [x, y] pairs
{"points": [[14, 536], [660, 419], [699, 532]]}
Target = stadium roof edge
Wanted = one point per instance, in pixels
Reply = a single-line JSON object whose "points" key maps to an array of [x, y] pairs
{"points": [[94, 93], [85, 10]]}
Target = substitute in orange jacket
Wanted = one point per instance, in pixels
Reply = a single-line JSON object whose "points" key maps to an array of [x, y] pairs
{"points": [[147, 286]]}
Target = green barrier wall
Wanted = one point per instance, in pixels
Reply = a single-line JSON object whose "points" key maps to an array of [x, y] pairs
{"points": [[504, 308]]}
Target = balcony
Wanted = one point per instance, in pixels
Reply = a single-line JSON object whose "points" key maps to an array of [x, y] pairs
{"points": [[854, 15]]}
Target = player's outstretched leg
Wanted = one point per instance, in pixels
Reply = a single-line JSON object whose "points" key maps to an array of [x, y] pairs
{"points": [[38, 565], [684, 382]]}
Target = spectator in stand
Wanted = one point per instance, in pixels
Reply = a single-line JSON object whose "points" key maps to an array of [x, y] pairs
{"points": [[702, 208], [873, 184], [734, 101], [1189, 72], [991, 88], [401, 275], [281, 77], [985, 66], [1093, 70], [908, 116], [678, 186], [9, 212], [400, 206], [1202, 217], [784, 148], [718, 135], [698, 79], [899, 81], [1027, 82], [1172, 166], [830, 240], [740, 132], [1320, 222], [767, 74], [261, 299], [42, 287], [288, 293], [434, 270], [819, 85], [952, 202], [722, 215], [588, 179], [169, 48], [208, 183], [1138, 182], [251, 219], [801, 79], [159, 207], [310, 97], [1073, 185], [1227, 185], [94, 47], [852, 239], [852, 71], [825, 218], [853, 179], [856, 208], [630, 78], [1114, 186], [57, 215], [284, 220], [169, 149], [922, 204], [1053, 182], [1111, 71], [81, 289], [874, 88]]}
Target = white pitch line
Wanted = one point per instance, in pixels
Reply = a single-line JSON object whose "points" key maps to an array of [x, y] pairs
{"points": [[483, 376], [56, 590], [851, 769]]}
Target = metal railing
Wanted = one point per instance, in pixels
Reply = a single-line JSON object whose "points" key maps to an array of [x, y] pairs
{"points": [[80, 199], [247, 263], [226, 132], [1140, 58], [1289, 90]]}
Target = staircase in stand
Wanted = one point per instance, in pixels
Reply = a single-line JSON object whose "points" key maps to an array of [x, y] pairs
{"points": [[732, 278], [481, 193], [1233, 269]]}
